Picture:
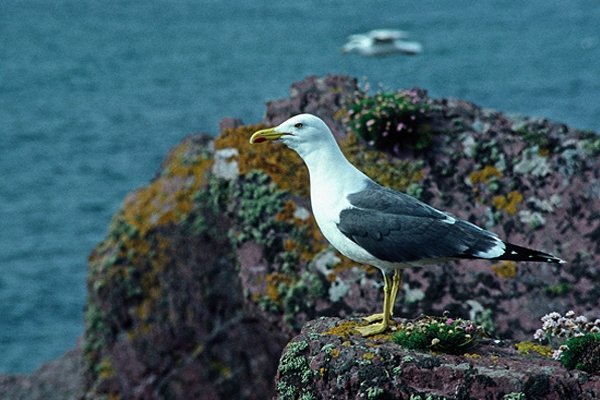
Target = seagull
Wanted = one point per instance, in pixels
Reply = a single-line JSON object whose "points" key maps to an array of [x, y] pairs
{"points": [[380, 42], [375, 225]]}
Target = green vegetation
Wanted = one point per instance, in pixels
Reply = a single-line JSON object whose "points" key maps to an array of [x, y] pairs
{"points": [[583, 353], [390, 120], [438, 334]]}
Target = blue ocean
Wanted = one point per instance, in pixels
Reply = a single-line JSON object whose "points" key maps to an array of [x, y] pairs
{"points": [[94, 93]]}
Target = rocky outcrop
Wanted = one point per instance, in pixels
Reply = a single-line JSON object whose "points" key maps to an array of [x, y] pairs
{"points": [[329, 361], [60, 379], [207, 272]]}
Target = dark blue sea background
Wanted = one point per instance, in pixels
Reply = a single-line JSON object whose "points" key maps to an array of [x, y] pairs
{"points": [[94, 93]]}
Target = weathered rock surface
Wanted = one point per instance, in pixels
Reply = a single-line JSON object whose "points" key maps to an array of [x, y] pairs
{"points": [[326, 362], [207, 272], [61, 379]]}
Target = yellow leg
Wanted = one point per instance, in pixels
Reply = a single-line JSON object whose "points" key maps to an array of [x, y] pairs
{"points": [[395, 287], [388, 306]]}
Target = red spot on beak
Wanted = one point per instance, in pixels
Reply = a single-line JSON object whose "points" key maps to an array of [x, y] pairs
{"points": [[260, 139]]}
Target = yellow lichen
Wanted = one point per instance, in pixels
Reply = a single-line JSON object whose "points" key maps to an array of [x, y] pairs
{"points": [[525, 347], [368, 356], [505, 269], [169, 198], [344, 329], [543, 152], [223, 369], [484, 175], [106, 369], [273, 281], [199, 349], [284, 167], [508, 203], [474, 355], [335, 353]]}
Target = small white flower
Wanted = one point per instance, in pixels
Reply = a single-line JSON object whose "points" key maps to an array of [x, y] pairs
{"points": [[549, 324], [539, 334]]}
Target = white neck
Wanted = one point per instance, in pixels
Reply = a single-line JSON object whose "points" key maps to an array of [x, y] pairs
{"points": [[332, 177]]}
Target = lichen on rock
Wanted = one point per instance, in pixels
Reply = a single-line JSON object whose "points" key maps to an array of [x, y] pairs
{"points": [[219, 259]]}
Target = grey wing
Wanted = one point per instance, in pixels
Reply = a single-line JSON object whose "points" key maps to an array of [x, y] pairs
{"points": [[395, 227], [405, 238]]}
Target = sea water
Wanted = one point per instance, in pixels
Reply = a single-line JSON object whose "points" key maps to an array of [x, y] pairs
{"points": [[94, 93]]}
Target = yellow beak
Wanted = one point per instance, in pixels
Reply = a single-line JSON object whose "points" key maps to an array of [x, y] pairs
{"points": [[264, 135]]}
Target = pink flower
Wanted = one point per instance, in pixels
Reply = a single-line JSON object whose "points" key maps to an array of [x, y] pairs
{"points": [[400, 126], [384, 133], [449, 321], [370, 122], [557, 354]]}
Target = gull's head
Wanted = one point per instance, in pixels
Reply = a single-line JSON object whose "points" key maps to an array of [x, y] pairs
{"points": [[303, 133]]}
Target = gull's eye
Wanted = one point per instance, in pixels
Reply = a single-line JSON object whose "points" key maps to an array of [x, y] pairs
{"points": [[298, 125]]}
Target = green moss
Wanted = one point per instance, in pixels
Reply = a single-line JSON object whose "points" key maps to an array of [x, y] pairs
{"points": [[486, 152], [97, 335], [535, 137], [515, 396], [374, 393], [286, 391], [415, 190], [591, 144], [557, 290], [293, 363], [253, 202], [268, 304]]}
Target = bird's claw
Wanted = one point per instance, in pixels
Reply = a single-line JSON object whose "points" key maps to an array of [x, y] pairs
{"points": [[374, 318], [373, 329]]}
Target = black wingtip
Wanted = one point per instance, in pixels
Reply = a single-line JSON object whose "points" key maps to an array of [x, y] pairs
{"points": [[518, 253]]}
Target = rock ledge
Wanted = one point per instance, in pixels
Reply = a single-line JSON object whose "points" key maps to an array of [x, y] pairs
{"points": [[328, 361]]}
